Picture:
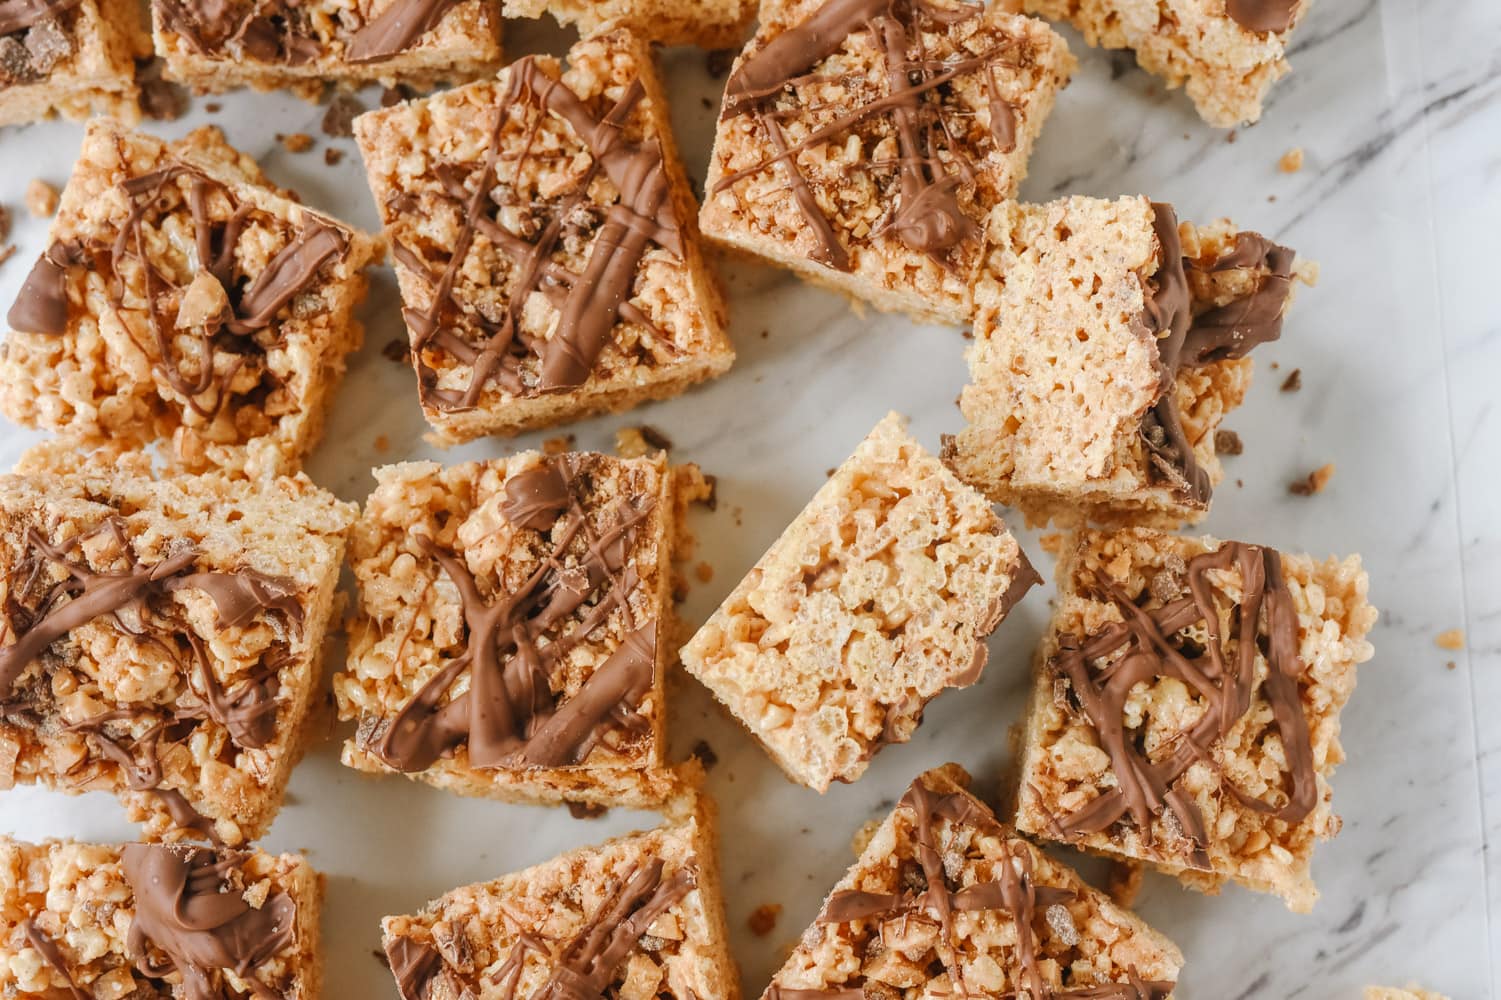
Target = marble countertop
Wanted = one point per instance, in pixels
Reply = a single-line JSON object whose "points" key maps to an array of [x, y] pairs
{"points": [[1397, 107]]}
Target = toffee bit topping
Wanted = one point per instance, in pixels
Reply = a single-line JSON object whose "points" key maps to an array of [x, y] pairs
{"points": [[397, 29], [53, 956], [510, 717], [273, 31], [927, 216], [1144, 647], [1262, 15], [188, 908]]}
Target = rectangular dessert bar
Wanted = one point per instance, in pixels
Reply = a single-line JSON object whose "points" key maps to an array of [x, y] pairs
{"points": [[945, 901], [545, 243], [184, 302], [1185, 711], [162, 640], [875, 599], [863, 142], [1110, 341], [712, 24], [149, 920], [638, 918], [512, 628], [1228, 53], [70, 57], [303, 45]]}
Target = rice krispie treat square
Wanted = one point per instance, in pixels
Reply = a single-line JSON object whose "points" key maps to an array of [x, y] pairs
{"points": [[70, 57], [638, 917], [712, 24], [945, 901], [875, 599], [162, 640], [862, 142], [1110, 341], [214, 45], [512, 625], [1228, 53], [545, 243], [1185, 711], [185, 303], [148, 920]]}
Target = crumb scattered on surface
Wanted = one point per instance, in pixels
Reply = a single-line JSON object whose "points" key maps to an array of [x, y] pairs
{"points": [[1294, 381], [332, 156], [708, 104], [1123, 882], [1292, 161], [41, 198], [382, 444], [297, 142], [1314, 482], [1450, 665], [763, 919], [1227, 442], [397, 349], [704, 754], [829, 472], [719, 61], [586, 810], [1451, 639], [213, 107], [630, 443], [704, 572], [1232, 136], [162, 100], [338, 120], [558, 445], [4, 223], [392, 96]]}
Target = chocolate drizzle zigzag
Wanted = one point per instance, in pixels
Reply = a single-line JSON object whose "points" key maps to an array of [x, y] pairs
{"points": [[1102, 669]]}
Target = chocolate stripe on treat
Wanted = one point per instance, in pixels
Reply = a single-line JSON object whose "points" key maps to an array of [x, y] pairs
{"points": [[397, 28], [1146, 789], [510, 716], [1184, 341], [1014, 892], [926, 216], [53, 956], [188, 908], [414, 964], [1262, 15], [18, 15]]}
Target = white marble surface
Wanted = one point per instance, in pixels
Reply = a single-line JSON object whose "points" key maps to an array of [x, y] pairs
{"points": [[1397, 105]]}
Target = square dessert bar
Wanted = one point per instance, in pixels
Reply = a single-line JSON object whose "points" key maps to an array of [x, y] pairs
{"points": [[876, 598], [184, 301], [213, 45], [150, 920], [545, 243], [1110, 341], [712, 24], [1185, 711], [162, 640], [71, 57], [512, 627], [639, 917], [1227, 52], [945, 901], [862, 142]]}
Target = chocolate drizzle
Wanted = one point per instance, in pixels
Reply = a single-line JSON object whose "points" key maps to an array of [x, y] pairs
{"points": [[53, 956], [926, 215], [1262, 15], [397, 28], [925, 891], [188, 909], [589, 304], [1185, 341], [1149, 644], [509, 716]]}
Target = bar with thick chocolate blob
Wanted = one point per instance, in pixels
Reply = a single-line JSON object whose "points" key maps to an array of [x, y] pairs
{"points": [[281, 31]]}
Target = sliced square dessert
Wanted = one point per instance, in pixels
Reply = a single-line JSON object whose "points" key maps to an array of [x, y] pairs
{"points": [[545, 242], [162, 640], [945, 901], [212, 45], [876, 598], [510, 639], [712, 24], [1110, 341], [153, 920], [1185, 711], [184, 302], [1228, 53], [639, 917], [69, 57], [863, 142]]}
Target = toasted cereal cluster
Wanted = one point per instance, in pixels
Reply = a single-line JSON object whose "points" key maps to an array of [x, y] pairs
{"points": [[1017, 922], [1240, 755], [876, 598], [127, 330], [186, 693], [712, 24], [74, 59]]}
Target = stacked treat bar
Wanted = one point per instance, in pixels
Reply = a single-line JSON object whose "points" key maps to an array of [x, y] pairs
{"points": [[168, 575]]}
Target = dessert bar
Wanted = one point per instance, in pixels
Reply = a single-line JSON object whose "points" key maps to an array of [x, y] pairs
{"points": [[712, 24], [70, 57]]}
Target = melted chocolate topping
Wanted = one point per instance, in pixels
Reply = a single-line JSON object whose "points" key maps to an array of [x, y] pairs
{"points": [[271, 31], [926, 216], [414, 964], [1264, 619], [1014, 891], [1262, 15], [187, 908], [53, 956], [18, 15], [397, 28], [42, 305], [589, 304], [510, 717]]}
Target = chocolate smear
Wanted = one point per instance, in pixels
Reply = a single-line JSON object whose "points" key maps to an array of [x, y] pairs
{"points": [[396, 29], [53, 956], [1262, 15]]}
